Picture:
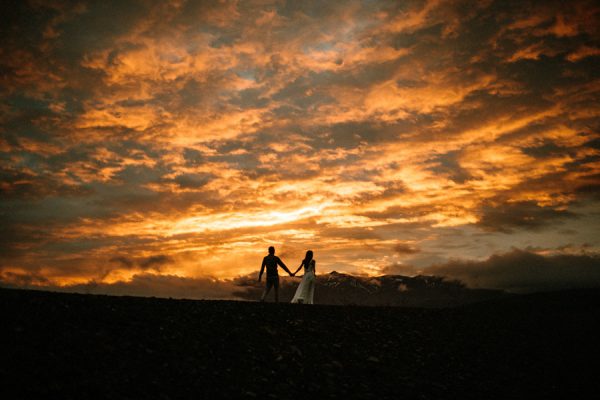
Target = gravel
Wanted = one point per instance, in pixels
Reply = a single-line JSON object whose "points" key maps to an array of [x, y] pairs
{"points": [[78, 346]]}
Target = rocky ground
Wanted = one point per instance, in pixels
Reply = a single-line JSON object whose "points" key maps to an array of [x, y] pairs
{"points": [[79, 346]]}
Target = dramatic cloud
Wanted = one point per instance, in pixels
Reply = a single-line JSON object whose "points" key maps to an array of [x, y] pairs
{"points": [[146, 285], [524, 271], [403, 248], [182, 138], [525, 214]]}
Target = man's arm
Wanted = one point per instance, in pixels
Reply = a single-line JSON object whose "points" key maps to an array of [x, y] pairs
{"points": [[283, 266], [262, 269]]}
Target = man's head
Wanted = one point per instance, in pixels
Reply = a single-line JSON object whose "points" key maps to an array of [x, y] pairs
{"points": [[271, 250]]}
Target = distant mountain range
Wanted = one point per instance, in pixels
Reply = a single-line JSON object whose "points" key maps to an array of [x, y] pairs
{"points": [[387, 290]]}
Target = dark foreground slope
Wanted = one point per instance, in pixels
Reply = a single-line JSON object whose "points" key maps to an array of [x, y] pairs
{"points": [[82, 346]]}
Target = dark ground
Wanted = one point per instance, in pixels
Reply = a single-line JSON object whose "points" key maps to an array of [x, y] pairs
{"points": [[84, 346]]}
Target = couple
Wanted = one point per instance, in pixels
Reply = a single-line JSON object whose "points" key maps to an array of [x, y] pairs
{"points": [[306, 289]]}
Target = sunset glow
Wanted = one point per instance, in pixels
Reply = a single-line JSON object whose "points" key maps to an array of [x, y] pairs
{"points": [[183, 138]]}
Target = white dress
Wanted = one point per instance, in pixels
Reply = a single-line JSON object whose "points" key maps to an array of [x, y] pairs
{"points": [[306, 289]]}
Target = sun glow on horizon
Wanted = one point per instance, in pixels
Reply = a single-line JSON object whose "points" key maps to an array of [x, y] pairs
{"points": [[383, 135]]}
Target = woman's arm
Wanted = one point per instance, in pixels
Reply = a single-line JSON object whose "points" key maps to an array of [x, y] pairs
{"points": [[300, 267]]}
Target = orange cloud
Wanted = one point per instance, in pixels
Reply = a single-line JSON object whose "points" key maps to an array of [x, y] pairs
{"points": [[203, 133]]}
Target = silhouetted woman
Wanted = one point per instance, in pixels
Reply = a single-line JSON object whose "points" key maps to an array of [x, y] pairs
{"points": [[306, 289]]}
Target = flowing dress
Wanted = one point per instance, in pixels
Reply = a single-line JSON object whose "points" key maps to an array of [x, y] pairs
{"points": [[306, 289]]}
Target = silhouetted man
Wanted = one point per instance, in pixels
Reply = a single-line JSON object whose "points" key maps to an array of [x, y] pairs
{"points": [[271, 262]]}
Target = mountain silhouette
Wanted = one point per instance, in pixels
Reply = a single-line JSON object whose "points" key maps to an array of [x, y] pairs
{"points": [[387, 290]]}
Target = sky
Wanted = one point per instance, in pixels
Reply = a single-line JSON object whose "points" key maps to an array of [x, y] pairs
{"points": [[175, 141]]}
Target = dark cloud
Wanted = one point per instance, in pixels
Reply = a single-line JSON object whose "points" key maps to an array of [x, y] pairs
{"points": [[403, 248], [524, 271], [98, 25], [19, 279], [155, 262], [192, 181], [138, 174], [402, 211], [449, 165], [547, 149], [123, 261], [356, 233], [591, 188], [520, 215], [145, 284], [193, 156], [33, 186]]}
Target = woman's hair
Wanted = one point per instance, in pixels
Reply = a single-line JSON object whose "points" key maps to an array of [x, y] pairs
{"points": [[308, 257]]}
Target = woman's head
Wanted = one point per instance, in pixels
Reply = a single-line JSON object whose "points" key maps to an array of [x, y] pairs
{"points": [[309, 255]]}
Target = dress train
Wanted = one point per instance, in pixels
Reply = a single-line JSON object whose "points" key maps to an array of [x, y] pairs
{"points": [[306, 290]]}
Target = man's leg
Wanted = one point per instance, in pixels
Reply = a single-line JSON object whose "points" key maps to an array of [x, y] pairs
{"points": [[267, 289], [276, 286]]}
